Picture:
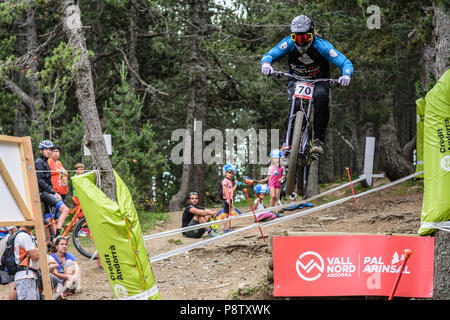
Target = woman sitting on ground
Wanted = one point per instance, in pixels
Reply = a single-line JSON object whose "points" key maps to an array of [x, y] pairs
{"points": [[64, 268]]}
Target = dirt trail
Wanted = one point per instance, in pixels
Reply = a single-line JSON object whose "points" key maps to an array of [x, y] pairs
{"points": [[236, 266]]}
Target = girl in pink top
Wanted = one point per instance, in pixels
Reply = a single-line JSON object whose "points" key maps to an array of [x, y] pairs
{"points": [[276, 175], [228, 192]]}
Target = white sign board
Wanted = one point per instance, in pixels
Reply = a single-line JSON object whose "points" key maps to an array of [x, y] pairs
{"points": [[107, 138], [12, 160]]}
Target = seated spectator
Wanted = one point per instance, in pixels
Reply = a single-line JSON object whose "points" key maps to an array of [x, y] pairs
{"points": [[261, 191], [64, 268], [193, 215], [49, 197]]}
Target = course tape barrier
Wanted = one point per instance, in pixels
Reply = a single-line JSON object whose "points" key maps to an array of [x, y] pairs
{"points": [[278, 220], [250, 214]]}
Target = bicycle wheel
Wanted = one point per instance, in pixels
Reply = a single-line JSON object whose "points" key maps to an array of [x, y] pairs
{"points": [[292, 164], [83, 240]]}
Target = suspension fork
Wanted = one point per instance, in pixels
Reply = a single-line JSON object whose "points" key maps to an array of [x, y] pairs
{"points": [[305, 137], [290, 122]]}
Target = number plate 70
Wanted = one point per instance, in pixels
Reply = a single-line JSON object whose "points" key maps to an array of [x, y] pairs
{"points": [[304, 90]]}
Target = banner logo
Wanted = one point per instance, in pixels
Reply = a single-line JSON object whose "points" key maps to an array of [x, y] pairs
{"points": [[310, 266], [445, 163]]}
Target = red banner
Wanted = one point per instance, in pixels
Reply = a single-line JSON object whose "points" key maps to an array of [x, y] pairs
{"points": [[362, 265]]}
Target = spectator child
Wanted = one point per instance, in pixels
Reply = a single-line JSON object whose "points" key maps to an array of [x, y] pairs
{"points": [[79, 170], [258, 205], [276, 175], [228, 192]]}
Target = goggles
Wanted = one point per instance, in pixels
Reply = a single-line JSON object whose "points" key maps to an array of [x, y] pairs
{"points": [[193, 194], [302, 39]]}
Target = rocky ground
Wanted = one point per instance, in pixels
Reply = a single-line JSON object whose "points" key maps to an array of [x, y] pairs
{"points": [[236, 266]]}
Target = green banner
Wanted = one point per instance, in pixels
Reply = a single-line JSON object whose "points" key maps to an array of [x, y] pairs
{"points": [[118, 239], [436, 154], [420, 113]]}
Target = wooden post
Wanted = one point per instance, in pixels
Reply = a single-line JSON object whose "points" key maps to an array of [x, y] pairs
{"points": [[368, 160], [26, 197], [37, 214]]}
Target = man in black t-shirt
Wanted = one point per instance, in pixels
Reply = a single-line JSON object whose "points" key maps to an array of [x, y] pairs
{"points": [[194, 214]]}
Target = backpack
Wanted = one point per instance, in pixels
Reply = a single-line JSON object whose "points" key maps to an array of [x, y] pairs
{"points": [[8, 260]]}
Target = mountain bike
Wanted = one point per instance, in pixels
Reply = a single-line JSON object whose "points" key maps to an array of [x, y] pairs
{"points": [[300, 128], [81, 235]]}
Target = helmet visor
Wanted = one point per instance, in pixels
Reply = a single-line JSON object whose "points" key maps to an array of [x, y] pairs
{"points": [[302, 38]]}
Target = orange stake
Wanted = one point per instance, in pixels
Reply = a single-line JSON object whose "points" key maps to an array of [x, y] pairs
{"points": [[229, 211], [407, 254], [351, 185], [250, 203]]}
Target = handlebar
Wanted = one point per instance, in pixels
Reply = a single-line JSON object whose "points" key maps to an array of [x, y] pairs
{"points": [[280, 74]]}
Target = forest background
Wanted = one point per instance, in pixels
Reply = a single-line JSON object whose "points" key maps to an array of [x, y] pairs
{"points": [[159, 65]]}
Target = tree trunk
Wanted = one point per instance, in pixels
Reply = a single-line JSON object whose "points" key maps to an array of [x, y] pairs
{"points": [[327, 159], [177, 200], [32, 100], [312, 188], [132, 45], [394, 164], [442, 40], [200, 21], [198, 106], [441, 285], [32, 44], [71, 20]]}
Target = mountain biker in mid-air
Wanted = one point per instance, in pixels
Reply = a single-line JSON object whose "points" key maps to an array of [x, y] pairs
{"points": [[309, 57]]}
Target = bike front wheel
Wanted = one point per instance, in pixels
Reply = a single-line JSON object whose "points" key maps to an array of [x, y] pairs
{"points": [[83, 240], [293, 156]]}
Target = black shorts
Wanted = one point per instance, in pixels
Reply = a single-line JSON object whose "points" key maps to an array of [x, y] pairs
{"points": [[196, 233], [226, 205], [50, 201]]}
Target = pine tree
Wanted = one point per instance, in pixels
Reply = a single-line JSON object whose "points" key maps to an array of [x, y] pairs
{"points": [[134, 154]]}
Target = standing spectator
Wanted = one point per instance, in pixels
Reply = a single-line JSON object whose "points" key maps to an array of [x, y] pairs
{"points": [[60, 177], [194, 214], [27, 258], [79, 170], [49, 197], [227, 192], [5, 233], [276, 175]]}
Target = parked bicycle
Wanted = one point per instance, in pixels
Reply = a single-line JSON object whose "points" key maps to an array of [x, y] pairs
{"points": [[81, 235], [299, 134]]}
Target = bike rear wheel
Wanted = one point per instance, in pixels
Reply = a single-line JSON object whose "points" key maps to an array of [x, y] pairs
{"points": [[83, 240], [293, 156]]}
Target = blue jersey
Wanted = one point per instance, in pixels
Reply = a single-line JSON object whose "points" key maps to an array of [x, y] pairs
{"points": [[312, 64]]}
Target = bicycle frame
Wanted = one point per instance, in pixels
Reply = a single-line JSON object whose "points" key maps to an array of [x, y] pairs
{"points": [[68, 228], [307, 112], [307, 117], [78, 214], [300, 129]]}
